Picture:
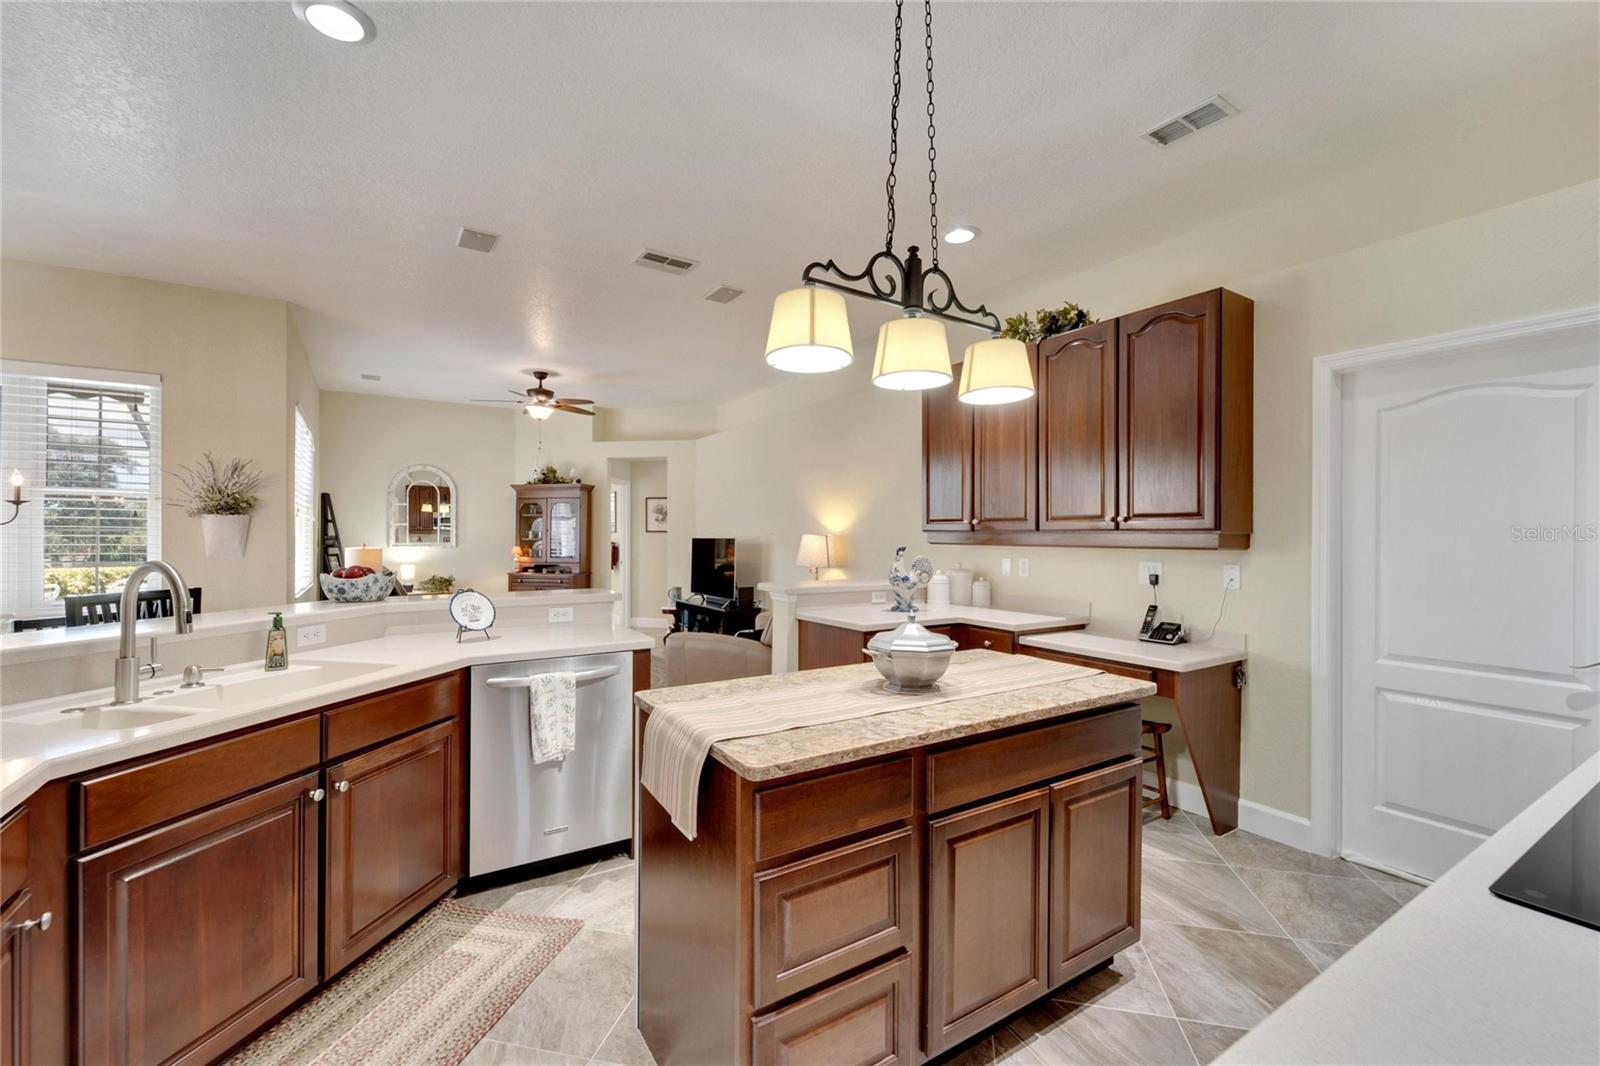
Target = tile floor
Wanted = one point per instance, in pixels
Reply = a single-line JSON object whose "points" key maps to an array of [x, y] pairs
{"points": [[1232, 927]]}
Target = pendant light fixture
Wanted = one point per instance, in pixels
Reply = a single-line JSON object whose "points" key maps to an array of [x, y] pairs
{"points": [[996, 371], [810, 331]]}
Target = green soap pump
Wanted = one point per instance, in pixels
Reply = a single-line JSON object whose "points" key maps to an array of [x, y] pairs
{"points": [[277, 644]]}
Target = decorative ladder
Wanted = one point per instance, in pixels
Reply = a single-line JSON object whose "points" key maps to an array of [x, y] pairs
{"points": [[332, 549]]}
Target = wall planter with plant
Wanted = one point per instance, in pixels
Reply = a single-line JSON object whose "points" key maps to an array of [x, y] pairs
{"points": [[221, 495]]}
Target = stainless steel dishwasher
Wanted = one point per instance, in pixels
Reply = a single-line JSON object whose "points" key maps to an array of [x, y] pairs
{"points": [[519, 812]]}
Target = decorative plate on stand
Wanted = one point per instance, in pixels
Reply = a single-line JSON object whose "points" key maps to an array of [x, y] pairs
{"points": [[472, 612]]}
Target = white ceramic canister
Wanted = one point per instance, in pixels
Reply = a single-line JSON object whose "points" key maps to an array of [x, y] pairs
{"points": [[939, 589], [980, 592], [960, 585]]}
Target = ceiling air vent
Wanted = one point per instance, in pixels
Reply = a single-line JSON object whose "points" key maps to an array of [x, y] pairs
{"points": [[474, 240], [1209, 113], [671, 264], [724, 294]]}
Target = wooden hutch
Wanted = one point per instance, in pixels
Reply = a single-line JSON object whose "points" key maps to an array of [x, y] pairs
{"points": [[552, 537]]}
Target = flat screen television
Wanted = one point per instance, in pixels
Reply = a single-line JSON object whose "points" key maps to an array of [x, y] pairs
{"points": [[711, 568]]}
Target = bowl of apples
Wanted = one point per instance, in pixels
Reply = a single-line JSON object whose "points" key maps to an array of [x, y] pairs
{"points": [[357, 584]]}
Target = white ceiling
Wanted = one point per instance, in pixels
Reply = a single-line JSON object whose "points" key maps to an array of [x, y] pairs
{"points": [[226, 145]]}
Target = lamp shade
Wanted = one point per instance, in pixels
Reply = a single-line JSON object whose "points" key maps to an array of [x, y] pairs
{"points": [[539, 412], [996, 371], [408, 573], [372, 558], [912, 354], [810, 332], [813, 551]]}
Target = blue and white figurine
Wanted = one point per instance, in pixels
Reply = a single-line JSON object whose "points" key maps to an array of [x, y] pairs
{"points": [[905, 578]]}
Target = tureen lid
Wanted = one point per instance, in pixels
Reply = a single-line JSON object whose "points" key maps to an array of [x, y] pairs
{"points": [[911, 636]]}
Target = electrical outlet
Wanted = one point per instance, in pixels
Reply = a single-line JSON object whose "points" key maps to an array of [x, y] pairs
{"points": [[1145, 570], [561, 614], [880, 597], [1022, 567], [1230, 576], [306, 636], [1005, 567]]}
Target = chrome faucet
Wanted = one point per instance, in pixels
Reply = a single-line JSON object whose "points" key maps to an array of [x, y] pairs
{"points": [[126, 679]]}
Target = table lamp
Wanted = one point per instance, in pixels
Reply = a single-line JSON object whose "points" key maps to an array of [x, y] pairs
{"points": [[371, 558], [813, 553]]}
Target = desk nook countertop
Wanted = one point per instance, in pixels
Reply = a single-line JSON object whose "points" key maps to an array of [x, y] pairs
{"points": [[882, 888]]}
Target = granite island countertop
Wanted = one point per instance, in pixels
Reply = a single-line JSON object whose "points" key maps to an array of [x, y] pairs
{"points": [[794, 751]]}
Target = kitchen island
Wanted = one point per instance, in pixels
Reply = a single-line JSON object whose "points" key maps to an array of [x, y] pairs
{"points": [[880, 889]]}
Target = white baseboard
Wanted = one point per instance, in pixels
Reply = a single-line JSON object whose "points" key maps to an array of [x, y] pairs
{"points": [[1258, 818]]}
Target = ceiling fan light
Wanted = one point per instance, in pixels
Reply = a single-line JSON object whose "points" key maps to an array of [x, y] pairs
{"points": [[996, 372], [810, 332], [913, 354], [539, 412]]}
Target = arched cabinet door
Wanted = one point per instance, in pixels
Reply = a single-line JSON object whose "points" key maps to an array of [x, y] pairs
{"points": [[1077, 381]]}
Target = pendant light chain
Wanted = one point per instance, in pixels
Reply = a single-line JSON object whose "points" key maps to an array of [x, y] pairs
{"points": [[933, 175], [894, 128]]}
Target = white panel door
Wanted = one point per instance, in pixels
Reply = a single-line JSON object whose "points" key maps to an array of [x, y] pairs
{"points": [[1469, 593]]}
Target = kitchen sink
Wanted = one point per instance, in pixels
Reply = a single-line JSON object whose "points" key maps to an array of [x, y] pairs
{"points": [[246, 684], [136, 717]]}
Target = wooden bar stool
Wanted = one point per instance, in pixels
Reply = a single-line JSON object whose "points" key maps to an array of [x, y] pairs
{"points": [[1158, 791]]}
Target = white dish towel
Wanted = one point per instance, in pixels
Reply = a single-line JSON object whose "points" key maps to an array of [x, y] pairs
{"points": [[552, 715]]}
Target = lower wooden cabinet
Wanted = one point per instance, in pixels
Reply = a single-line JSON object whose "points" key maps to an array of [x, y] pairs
{"points": [[194, 935], [1094, 868], [16, 981], [988, 888], [394, 817], [868, 1020]]}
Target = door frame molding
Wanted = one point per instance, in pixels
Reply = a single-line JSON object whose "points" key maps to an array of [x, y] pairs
{"points": [[1328, 376]]}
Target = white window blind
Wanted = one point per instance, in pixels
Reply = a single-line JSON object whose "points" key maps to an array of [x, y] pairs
{"points": [[305, 514], [88, 444]]}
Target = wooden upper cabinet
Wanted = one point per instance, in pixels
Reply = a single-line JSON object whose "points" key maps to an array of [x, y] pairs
{"points": [[1077, 405], [947, 425], [194, 935], [394, 839], [1005, 461]]}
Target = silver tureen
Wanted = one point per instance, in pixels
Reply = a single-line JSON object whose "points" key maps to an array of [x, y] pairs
{"points": [[911, 658]]}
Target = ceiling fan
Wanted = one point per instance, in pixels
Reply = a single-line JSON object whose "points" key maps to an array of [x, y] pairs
{"points": [[541, 403]]}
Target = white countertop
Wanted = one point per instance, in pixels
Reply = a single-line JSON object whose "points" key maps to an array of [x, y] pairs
{"points": [[1458, 975], [1117, 646], [32, 754], [876, 617]]}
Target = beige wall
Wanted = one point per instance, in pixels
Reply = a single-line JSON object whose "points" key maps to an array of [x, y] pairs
{"points": [[649, 578], [851, 465], [221, 357]]}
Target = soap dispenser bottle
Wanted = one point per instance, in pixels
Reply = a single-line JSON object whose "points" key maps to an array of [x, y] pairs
{"points": [[277, 644]]}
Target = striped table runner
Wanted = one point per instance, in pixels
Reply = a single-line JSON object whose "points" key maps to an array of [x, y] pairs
{"points": [[678, 736]]}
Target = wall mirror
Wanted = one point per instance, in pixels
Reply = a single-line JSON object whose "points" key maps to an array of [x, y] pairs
{"points": [[423, 508]]}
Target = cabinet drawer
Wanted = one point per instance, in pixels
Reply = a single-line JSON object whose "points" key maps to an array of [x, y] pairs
{"points": [[125, 801], [991, 767], [378, 718], [13, 853], [791, 817], [822, 917], [981, 637], [865, 1021]]}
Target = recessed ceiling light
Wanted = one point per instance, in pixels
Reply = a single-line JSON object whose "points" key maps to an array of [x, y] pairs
{"points": [[339, 19], [962, 234]]}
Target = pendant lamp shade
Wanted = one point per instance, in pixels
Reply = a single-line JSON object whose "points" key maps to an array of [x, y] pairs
{"points": [[995, 372], [810, 332], [912, 354], [539, 412]]}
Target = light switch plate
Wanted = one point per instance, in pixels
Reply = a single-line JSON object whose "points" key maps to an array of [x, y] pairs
{"points": [[306, 636], [880, 597], [1022, 566], [1005, 567], [1145, 570], [561, 614], [1230, 576]]}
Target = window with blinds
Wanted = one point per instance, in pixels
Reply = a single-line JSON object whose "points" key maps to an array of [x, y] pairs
{"points": [[305, 515], [88, 444]]}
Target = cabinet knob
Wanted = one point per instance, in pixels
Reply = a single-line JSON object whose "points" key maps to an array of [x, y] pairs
{"points": [[41, 923], [315, 795], [341, 786], [988, 644]]}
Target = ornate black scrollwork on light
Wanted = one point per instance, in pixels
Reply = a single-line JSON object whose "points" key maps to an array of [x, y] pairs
{"points": [[905, 285]]}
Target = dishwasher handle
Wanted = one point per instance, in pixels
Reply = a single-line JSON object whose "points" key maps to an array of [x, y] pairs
{"points": [[599, 673]]}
